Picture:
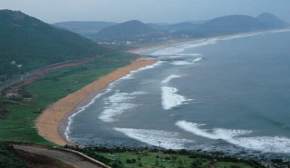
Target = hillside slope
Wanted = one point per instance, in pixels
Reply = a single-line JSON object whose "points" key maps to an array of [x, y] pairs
{"points": [[27, 43], [233, 24], [130, 30]]}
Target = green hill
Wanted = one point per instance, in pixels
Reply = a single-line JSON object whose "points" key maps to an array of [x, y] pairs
{"points": [[27, 43], [131, 30]]}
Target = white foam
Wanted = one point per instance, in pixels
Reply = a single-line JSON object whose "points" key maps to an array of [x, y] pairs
{"points": [[180, 63], [107, 90], [132, 73], [171, 99], [170, 78], [168, 51], [164, 139], [80, 110], [179, 55], [198, 59], [117, 104], [187, 62], [266, 144], [179, 49], [259, 143]]}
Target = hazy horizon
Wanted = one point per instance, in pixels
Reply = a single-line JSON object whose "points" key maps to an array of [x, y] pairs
{"points": [[147, 11]]}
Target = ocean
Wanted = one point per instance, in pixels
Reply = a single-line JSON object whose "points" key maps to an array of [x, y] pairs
{"points": [[228, 94]]}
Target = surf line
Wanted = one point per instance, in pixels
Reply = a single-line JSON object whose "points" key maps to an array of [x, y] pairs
{"points": [[51, 121]]}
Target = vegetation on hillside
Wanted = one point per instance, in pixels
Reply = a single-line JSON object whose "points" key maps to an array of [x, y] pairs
{"points": [[131, 30], [27, 43], [124, 158], [18, 122], [9, 159]]}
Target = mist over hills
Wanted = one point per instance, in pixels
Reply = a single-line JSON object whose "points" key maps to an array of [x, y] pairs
{"points": [[24, 38], [129, 30], [27, 43], [137, 31], [84, 28], [233, 24]]}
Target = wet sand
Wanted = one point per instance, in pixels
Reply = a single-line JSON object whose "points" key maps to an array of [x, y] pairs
{"points": [[49, 122]]}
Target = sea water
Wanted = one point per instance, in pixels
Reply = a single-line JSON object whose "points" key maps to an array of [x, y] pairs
{"points": [[223, 94]]}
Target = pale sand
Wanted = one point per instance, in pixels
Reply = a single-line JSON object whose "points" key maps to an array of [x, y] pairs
{"points": [[49, 122]]}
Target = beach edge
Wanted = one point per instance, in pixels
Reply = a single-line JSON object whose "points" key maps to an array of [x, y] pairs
{"points": [[51, 122]]}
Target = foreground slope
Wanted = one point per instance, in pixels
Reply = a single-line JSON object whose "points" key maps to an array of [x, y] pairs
{"points": [[27, 43]]}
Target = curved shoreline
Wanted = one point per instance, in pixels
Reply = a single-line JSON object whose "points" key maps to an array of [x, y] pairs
{"points": [[51, 120]]}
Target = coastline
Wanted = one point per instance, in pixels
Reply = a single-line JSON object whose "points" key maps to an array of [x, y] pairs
{"points": [[51, 127], [177, 42], [51, 120]]}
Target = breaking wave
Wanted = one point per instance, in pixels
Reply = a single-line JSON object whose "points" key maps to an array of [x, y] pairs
{"points": [[170, 78], [171, 98], [187, 61], [79, 110], [117, 104], [237, 137], [158, 138]]}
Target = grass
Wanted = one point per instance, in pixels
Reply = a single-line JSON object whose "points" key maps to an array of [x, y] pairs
{"points": [[18, 125], [162, 159]]}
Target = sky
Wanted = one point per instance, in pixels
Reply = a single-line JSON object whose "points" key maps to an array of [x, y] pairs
{"points": [[145, 10]]}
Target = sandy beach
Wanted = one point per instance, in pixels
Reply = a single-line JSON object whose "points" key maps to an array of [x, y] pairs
{"points": [[49, 122]]}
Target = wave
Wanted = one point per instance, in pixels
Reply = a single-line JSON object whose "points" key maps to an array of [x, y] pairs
{"points": [[117, 104], [132, 73], [178, 55], [259, 143], [169, 51], [180, 63], [79, 110], [171, 99], [170, 78], [179, 49], [67, 131], [158, 138], [198, 59], [187, 62]]}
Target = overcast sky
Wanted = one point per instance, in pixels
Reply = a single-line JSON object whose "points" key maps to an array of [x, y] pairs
{"points": [[145, 10]]}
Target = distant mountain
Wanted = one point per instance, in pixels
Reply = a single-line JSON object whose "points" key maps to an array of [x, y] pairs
{"points": [[27, 43], [131, 30], [271, 20], [181, 26], [184, 26], [228, 25], [232, 24], [84, 28]]}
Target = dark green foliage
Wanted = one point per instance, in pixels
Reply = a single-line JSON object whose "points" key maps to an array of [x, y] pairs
{"points": [[117, 164], [150, 158], [3, 110], [18, 122], [8, 158], [27, 43]]}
